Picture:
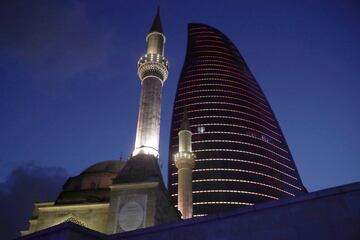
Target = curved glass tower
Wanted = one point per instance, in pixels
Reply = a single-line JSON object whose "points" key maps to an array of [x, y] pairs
{"points": [[241, 154]]}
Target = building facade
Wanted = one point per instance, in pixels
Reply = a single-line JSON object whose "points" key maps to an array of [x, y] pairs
{"points": [[242, 157], [84, 200]]}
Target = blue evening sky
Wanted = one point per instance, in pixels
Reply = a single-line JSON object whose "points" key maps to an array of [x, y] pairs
{"points": [[69, 91]]}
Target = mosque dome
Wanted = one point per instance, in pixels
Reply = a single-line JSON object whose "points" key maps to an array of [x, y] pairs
{"points": [[105, 166], [92, 184]]}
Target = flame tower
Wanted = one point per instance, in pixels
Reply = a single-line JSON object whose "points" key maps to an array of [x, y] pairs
{"points": [[242, 157], [152, 71]]}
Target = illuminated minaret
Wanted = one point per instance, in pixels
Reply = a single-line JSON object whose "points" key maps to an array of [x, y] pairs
{"points": [[185, 162], [152, 71]]}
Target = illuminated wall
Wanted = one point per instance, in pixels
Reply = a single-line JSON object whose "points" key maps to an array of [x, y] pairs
{"points": [[241, 154], [90, 215], [84, 200]]}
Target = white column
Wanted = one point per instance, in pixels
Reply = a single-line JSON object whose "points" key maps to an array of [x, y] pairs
{"points": [[185, 162]]}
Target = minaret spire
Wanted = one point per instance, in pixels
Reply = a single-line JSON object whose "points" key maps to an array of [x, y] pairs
{"points": [[185, 162], [185, 121], [152, 71], [157, 26]]}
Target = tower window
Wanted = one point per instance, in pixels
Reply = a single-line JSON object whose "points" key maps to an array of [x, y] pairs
{"points": [[201, 129], [265, 138]]}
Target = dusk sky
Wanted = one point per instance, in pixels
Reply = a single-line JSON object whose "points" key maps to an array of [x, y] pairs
{"points": [[69, 90]]}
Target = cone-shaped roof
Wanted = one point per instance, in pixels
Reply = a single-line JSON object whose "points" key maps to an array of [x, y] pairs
{"points": [[156, 26], [185, 121], [140, 168]]}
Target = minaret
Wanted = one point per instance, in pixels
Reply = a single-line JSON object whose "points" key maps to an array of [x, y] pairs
{"points": [[152, 71], [185, 162]]}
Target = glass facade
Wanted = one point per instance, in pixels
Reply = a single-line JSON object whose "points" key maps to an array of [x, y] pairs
{"points": [[241, 154]]}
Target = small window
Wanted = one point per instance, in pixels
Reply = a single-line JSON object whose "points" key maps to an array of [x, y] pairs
{"points": [[201, 129], [266, 139]]}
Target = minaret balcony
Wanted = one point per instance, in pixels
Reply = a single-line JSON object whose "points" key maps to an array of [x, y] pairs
{"points": [[154, 65], [153, 57], [184, 160]]}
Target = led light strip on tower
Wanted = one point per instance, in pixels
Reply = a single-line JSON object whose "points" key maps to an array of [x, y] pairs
{"points": [[233, 125], [241, 151], [246, 171], [240, 119], [230, 104], [245, 161], [244, 143], [254, 91], [232, 191], [224, 202], [229, 110], [223, 72], [219, 90], [224, 97], [240, 181]]}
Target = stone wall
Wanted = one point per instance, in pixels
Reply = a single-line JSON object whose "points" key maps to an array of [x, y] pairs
{"points": [[89, 215], [328, 214]]}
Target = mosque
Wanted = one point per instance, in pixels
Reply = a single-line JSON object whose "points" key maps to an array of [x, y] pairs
{"points": [[231, 174], [115, 196]]}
